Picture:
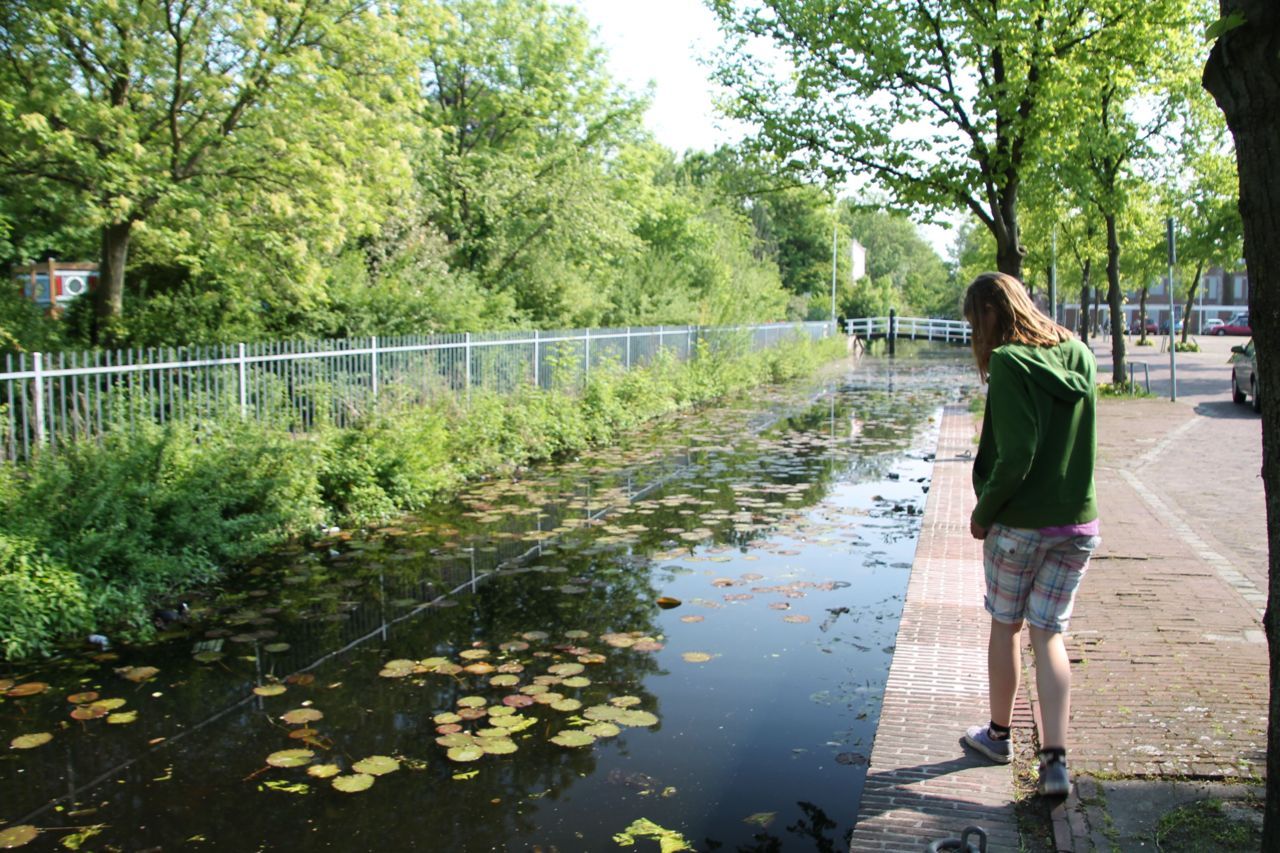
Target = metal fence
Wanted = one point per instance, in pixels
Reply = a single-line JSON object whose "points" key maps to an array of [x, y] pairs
{"points": [[48, 400], [909, 327]]}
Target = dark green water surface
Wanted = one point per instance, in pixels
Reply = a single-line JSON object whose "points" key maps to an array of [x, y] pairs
{"points": [[740, 719]]}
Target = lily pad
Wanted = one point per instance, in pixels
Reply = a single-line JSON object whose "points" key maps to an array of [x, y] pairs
{"points": [[208, 656], [573, 738], [445, 719], [88, 712], [637, 718], [110, 704], [17, 836], [761, 819], [566, 669], [376, 765], [472, 702], [269, 689], [29, 688], [299, 716], [290, 757], [276, 648], [576, 635], [504, 681], [602, 713], [138, 674], [624, 701], [499, 746], [576, 681], [124, 718], [603, 730], [517, 700], [353, 783], [465, 753], [30, 741], [474, 654], [323, 771], [691, 618], [82, 698], [566, 705], [696, 657]]}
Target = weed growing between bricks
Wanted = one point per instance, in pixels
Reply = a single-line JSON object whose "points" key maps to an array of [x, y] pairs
{"points": [[1035, 825]]}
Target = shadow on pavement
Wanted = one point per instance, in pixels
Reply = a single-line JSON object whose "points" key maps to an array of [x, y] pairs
{"points": [[1226, 409]]}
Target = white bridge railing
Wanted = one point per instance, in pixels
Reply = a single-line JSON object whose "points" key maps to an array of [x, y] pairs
{"points": [[50, 399], [916, 328]]}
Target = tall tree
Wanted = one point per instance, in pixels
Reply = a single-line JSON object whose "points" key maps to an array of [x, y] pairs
{"points": [[526, 116], [119, 110], [1243, 75], [944, 103]]}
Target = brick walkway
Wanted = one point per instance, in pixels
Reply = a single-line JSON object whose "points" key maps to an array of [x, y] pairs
{"points": [[1170, 666]]}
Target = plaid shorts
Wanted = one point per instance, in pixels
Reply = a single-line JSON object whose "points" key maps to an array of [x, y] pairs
{"points": [[1032, 576]]}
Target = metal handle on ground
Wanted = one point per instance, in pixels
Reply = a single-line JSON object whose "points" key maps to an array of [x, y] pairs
{"points": [[963, 844]]}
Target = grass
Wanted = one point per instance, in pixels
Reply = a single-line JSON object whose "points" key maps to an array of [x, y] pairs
{"points": [[1212, 824]]}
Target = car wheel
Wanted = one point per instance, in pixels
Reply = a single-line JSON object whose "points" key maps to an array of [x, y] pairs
{"points": [[1253, 392], [1237, 396], [1219, 332]]}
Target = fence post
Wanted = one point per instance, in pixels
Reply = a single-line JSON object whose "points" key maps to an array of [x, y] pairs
{"points": [[689, 344], [373, 360], [244, 384], [39, 397], [586, 360], [467, 376], [628, 347], [537, 380]]}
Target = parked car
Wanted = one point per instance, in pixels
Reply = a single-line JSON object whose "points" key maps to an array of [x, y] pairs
{"points": [[1237, 325], [1244, 374], [1211, 325], [1136, 328]]}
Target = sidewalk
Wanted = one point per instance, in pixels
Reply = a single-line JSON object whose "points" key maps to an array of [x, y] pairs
{"points": [[1170, 662]]}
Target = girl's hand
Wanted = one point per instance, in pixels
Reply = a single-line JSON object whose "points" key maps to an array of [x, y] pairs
{"points": [[976, 531]]}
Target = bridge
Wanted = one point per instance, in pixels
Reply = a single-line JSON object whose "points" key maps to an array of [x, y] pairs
{"points": [[915, 328]]}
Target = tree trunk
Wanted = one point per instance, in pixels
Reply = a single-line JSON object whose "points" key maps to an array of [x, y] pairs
{"points": [[1004, 227], [1191, 301], [108, 301], [1085, 290], [1114, 297], [1243, 75]]}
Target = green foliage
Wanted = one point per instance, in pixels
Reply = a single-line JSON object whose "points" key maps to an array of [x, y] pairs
{"points": [[1186, 346], [41, 600]]}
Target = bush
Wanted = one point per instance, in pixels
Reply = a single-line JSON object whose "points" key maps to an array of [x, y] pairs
{"points": [[40, 600]]}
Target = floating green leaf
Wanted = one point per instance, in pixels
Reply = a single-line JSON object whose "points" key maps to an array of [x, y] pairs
{"points": [[302, 715], [269, 689], [465, 753], [499, 746], [287, 787], [577, 681], [290, 757], [353, 783], [603, 730], [30, 741], [573, 738], [504, 681], [276, 648], [122, 719], [376, 765], [696, 657], [323, 771], [669, 841], [208, 656], [637, 718], [760, 819], [566, 705], [82, 698]]}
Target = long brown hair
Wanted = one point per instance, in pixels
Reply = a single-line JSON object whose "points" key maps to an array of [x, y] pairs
{"points": [[1017, 319]]}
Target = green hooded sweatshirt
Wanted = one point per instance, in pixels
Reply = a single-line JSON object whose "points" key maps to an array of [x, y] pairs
{"points": [[1039, 438]]}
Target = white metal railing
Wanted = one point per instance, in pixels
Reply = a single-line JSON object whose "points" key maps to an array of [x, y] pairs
{"points": [[49, 399], [910, 327]]}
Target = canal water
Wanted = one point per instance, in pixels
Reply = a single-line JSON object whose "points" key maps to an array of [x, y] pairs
{"points": [[677, 643]]}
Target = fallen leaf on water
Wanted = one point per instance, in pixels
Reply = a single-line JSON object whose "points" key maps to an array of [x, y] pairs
{"points": [[30, 741]]}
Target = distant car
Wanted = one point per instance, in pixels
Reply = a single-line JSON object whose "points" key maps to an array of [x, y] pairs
{"points": [[1211, 325], [1237, 325], [1137, 327], [1244, 374]]}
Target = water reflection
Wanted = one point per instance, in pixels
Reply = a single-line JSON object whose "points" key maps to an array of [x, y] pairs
{"points": [[787, 547]]}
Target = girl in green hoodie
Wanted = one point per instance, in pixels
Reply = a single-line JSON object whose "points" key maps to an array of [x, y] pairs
{"points": [[1036, 513]]}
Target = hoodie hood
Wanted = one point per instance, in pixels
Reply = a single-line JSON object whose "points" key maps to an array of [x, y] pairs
{"points": [[1066, 371]]}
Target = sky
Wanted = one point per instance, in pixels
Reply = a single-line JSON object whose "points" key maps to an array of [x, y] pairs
{"points": [[661, 42]]}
